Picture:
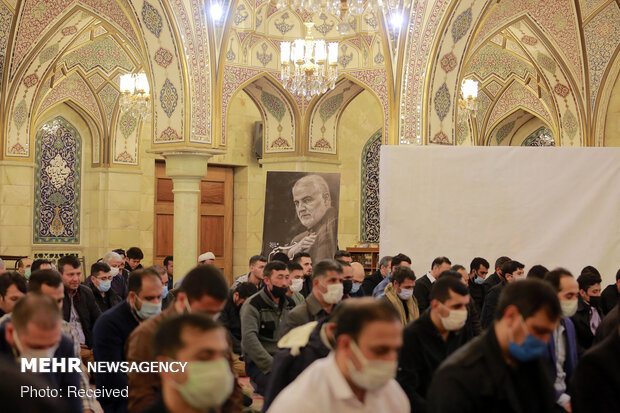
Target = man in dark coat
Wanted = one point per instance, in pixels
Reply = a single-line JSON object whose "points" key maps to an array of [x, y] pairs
{"points": [[589, 314], [495, 278], [100, 283], [370, 282], [611, 295], [502, 370], [511, 271], [478, 270], [423, 285], [230, 317]]}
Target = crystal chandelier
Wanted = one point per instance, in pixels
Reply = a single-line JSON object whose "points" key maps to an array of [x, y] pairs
{"points": [[544, 138], [135, 95], [309, 67], [337, 7], [468, 103]]}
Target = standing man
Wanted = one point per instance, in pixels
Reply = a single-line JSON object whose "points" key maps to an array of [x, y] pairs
{"points": [[502, 370], [358, 376], [79, 306], [478, 271], [399, 293], [430, 339], [262, 319], [100, 283], [510, 272], [255, 275], [169, 266], [305, 260], [383, 269], [588, 316], [313, 204], [423, 286]]}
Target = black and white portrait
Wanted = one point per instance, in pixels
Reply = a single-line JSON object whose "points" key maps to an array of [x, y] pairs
{"points": [[301, 214]]}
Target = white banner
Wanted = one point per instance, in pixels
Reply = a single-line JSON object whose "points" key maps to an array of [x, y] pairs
{"points": [[549, 206]]}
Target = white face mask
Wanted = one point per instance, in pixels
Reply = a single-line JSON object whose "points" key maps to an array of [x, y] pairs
{"points": [[569, 307], [455, 320], [405, 293], [208, 385], [29, 353], [114, 271], [520, 277], [297, 284], [334, 293], [374, 373]]}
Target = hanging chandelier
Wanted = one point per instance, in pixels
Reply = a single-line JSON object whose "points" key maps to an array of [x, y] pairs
{"points": [[336, 7], [544, 138], [309, 67], [135, 95]]}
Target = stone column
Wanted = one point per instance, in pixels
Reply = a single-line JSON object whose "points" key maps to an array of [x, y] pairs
{"points": [[186, 167]]}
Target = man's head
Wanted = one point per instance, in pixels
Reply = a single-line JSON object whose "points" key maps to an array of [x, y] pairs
{"points": [[169, 265], [479, 267], [439, 265], [368, 330], [590, 288], [304, 259], [358, 275], [312, 199], [347, 276], [342, 255], [537, 271], [23, 266], [403, 280], [145, 292], [567, 289], [204, 289], [295, 276], [41, 264], [513, 271], [202, 343], [529, 307], [276, 278], [101, 276], [462, 271], [243, 292], [47, 282], [400, 260], [35, 326], [70, 270], [449, 299], [114, 260], [206, 258], [12, 289], [2, 266], [385, 265], [123, 255], [163, 275], [498, 264], [327, 284], [591, 269], [257, 266], [134, 256]]}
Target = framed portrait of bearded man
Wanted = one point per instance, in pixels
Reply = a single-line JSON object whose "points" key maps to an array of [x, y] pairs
{"points": [[301, 214]]}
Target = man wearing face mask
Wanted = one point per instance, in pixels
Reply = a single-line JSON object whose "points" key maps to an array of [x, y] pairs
{"points": [[100, 282], [562, 347], [358, 280], [207, 384], [399, 293], [119, 275], [296, 282], [347, 277], [511, 271], [502, 371], [262, 319], [166, 299], [23, 267], [113, 328], [478, 271], [429, 340], [35, 332], [327, 291], [399, 260], [359, 375], [588, 317], [205, 290]]}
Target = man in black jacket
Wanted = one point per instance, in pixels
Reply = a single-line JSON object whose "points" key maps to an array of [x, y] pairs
{"points": [[431, 338], [510, 272], [423, 285], [611, 295], [230, 314], [588, 316], [370, 282], [100, 283], [495, 278], [502, 370], [478, 270], [79, 307]]}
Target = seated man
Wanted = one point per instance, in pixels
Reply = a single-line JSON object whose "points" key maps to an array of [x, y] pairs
{"points": [[100, 283], [368, 337], [169, 266], [34, 332], [79, 307], [207, 384], [255, 275], [611, 295], [399, 293], [23, 267], [342, 255], [113, 328], [588, 316], [296, 282], [399, 260], [231, 315], [358, 280], [41, 264], [502, 369], [166, 299], [478, 271], [262, 319], [304, 259], [511, 271], [495, 278], [204, 289], [12, 289], [119, 274], [327, 291], [134, 257], [430, 339], [423, 286], [347, 278], [383, 269], [562, 347]]}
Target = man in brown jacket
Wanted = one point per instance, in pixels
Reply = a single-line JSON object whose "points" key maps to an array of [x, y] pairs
{"points": [[399, 293], [205, 290]]}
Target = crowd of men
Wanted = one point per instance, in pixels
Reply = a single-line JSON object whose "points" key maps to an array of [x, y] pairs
{"points": [[313, 337]]}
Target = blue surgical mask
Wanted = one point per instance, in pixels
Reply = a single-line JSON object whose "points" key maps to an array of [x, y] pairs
{"points": [[355, 288], [104, 286], [164, 292], [478, 280], [148, 310], [529, 350]]}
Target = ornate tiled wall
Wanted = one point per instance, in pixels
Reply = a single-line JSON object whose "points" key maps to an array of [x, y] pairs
{"points": [[370, 225], [57, 184]]}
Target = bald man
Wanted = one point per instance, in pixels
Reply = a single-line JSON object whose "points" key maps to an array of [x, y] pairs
{"points": [[358, 278]]}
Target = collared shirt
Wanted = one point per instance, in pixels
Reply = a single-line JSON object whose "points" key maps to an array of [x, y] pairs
{"points": [[595, 320], [430, 277], [76, 325], [332, 393], [379, 290], [560, 354]]}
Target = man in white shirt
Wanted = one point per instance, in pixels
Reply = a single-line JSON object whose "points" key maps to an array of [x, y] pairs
{"points": [[359, 375]]}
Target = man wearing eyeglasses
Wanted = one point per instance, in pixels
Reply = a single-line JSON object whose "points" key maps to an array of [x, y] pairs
{"points": [[100, 281]]}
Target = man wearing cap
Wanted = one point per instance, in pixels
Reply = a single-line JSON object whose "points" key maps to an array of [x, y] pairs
{"points": [[205, 258]]}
